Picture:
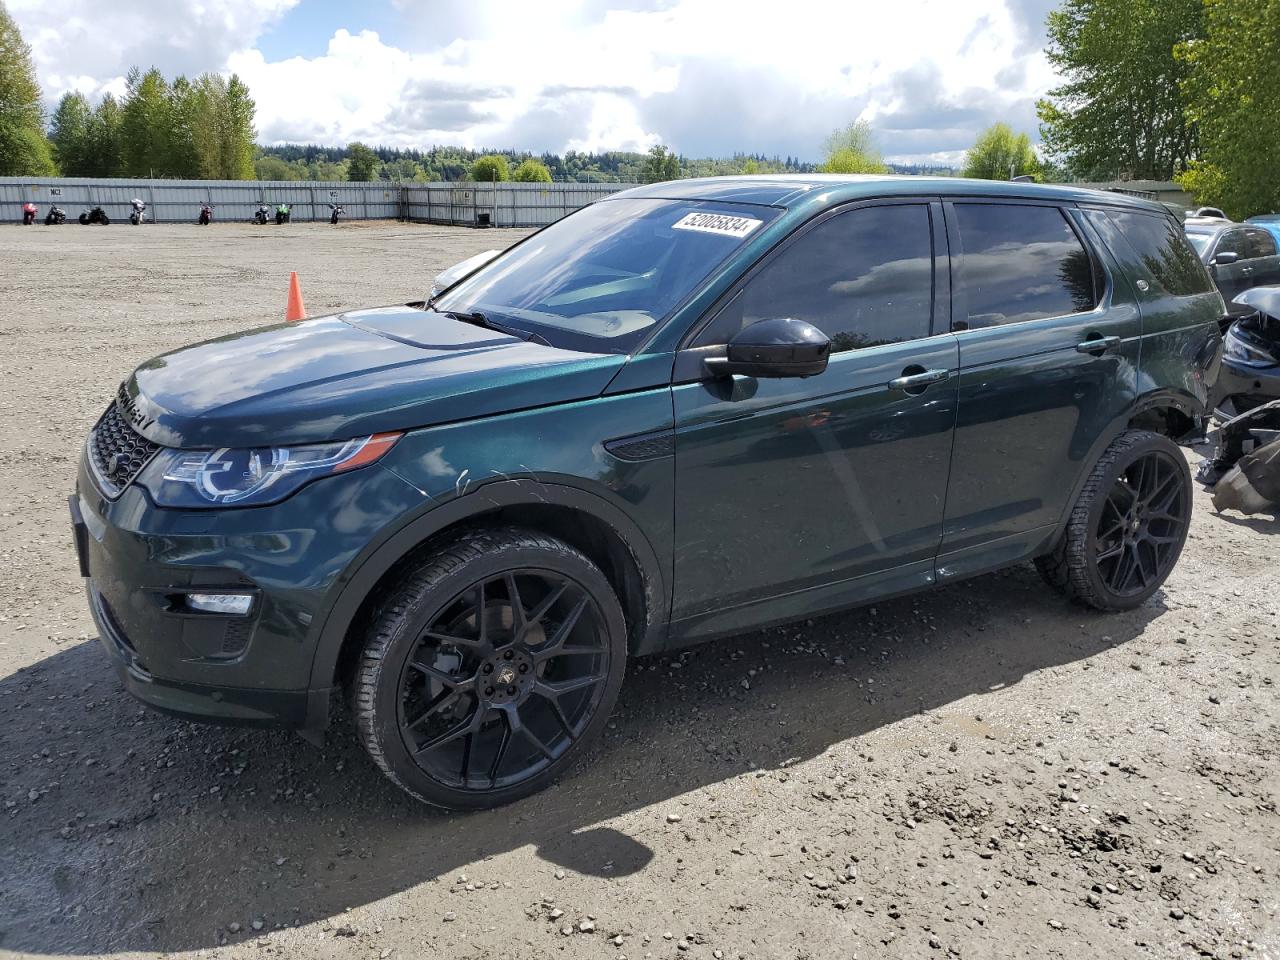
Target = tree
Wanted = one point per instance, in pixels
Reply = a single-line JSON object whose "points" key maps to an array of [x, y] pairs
{"points": [[106, 135], [72, 135], [1233, 97], [492, 168], [852, 149], [998, 154], [24, 149], [1120, 109], [361, 162], [238, 133], [145, 124], [660, 165], [531, 171]]}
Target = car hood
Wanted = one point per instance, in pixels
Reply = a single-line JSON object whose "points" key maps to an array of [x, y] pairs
{"points": [[349, 375]]}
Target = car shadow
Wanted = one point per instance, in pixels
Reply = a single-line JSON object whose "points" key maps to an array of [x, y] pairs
{"points": [[1262, 522], [127, 830]]}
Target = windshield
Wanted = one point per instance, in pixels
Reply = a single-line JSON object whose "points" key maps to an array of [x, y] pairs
{"points": [[601, 279], [1200, 241]]}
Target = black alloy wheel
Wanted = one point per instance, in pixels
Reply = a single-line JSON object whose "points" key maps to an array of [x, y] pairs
{"points": [[491, 667], [1142, 524], [1128, 525]]}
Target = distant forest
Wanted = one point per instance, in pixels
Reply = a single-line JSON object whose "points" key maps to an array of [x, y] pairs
{"points": [[314, 162]]}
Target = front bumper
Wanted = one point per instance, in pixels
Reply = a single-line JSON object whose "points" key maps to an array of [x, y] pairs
{"points": [[139, 560]]}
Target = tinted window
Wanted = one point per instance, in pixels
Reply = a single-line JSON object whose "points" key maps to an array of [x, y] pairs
{"points": [[1261, 244], [1231, 242], [863, 278], [1163, 249], [1018, 263]]}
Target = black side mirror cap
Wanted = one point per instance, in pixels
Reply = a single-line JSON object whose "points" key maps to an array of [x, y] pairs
{"points": [[774, 348], [1225, 258]]}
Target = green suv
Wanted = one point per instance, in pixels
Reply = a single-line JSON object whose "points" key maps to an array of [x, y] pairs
{"points": [[689, 410]]}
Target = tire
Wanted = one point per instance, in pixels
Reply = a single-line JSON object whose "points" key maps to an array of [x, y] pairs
{"points": [[1128, 526], [105, 221], [84, 219], [437, 702]]}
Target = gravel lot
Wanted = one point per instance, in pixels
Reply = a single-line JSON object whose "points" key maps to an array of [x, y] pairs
{"points": [[982, 771]]}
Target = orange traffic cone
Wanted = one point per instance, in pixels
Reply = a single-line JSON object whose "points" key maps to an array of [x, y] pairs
{"points": [[294, 309]]}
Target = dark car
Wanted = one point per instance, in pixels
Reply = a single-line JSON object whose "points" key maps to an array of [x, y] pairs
{"points": [[689, 410], [1239, 256], [1250, 372]]}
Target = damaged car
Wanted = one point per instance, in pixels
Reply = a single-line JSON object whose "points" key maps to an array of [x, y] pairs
{"points": [[1250, 373], [689, 410], [1244, 469]]}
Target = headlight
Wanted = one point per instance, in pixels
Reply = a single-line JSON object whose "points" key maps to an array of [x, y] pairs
{"points": [[1237, 349], [255, 476]]}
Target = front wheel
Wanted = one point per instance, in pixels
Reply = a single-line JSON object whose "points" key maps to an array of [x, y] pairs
{"points": [[489, 669], [1128, 526]]}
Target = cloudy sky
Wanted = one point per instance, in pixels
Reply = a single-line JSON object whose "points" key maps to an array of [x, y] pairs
{"points": [[706, 77]]}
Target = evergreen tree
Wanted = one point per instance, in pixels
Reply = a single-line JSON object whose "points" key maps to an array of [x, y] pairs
{"points": [[72, 136], [24, 149], [145, 125], [106, 138]]}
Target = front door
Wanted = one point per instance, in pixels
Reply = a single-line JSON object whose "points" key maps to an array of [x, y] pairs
{"points": [[789, 486]]}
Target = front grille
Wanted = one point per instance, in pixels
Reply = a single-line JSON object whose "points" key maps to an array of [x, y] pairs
{"points": [[117, 451]]}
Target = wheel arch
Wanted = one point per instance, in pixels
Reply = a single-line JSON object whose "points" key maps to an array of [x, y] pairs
{"points": [[1170, 412], [585, 520]]}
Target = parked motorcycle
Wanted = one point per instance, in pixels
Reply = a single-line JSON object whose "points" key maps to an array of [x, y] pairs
{"points": [[261, 215], [55, 216], [206, 215], [335, 211], [96, 215], [282, 213], [137, 216], [28, 214]]}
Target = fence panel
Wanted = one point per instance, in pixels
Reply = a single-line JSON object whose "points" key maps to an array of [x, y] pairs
{"points": [[179, 201]]}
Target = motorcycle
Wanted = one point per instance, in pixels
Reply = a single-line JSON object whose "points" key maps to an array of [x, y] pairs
{"points": [[206, 215], [336, 210], [28, 214], [261, 214], [137, 217], [55, 216], [282, 213], [96, 215]]}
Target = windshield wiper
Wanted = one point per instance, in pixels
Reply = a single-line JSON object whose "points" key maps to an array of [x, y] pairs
{"points": [[478, 319]]}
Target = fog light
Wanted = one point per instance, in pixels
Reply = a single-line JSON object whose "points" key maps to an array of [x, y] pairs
{"points": [[237, 604]]}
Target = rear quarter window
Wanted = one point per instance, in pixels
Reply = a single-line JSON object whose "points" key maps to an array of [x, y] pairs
{"points": [[1161, 247]]}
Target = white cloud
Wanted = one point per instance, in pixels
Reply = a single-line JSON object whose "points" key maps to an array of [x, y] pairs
{"points": [[581, 74]]}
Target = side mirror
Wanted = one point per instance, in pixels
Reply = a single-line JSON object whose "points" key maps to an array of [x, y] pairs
{"points": [[1224, 258], [774, 348]]}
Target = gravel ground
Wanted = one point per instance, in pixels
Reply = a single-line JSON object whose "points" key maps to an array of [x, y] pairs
{"points": [[981, 771]]}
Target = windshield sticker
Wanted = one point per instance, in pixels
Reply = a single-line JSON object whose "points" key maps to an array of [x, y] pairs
{"points": [[720, 223]]}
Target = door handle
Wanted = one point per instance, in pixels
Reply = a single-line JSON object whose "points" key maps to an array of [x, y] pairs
{"points": [[917, 381], [1246, 269], [1098, 345]]}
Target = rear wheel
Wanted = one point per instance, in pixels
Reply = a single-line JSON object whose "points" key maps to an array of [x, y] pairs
{"points": [[84, 219], [1127, 529], [489, 669]]}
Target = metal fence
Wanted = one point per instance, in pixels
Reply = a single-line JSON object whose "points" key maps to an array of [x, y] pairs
{"points": [[179, 201]]}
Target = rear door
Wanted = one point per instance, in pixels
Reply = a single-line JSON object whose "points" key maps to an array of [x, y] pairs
{"points": [[1048, 353]]}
